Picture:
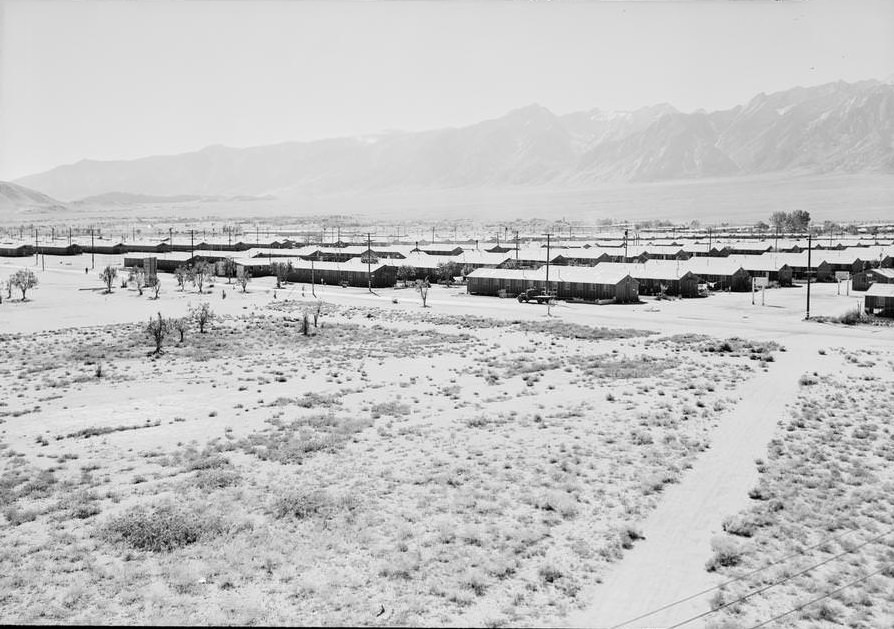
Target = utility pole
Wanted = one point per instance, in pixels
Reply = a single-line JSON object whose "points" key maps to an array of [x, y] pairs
{"points": [[170, 238], [92, 250], [69, 236], [809, 247], [432, 234], [625, 245], [192, 252], [369, 276], [547, 264], [313, 289], [516, 245], [776, 242]]}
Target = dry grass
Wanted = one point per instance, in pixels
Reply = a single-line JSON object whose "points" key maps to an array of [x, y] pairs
{"points": [[829, 476], [446, 469]]}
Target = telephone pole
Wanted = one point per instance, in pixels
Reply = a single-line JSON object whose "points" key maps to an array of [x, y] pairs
{"points": [[547, 264], [809, 247], [92, 250], [369, 262]]}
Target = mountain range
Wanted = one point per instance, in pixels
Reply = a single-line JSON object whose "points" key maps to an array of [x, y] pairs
{"points": [[833, 128]]}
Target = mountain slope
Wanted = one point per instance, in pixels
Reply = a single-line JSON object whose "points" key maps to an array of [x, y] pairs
{"points": [[838, 127], [14, 197]]}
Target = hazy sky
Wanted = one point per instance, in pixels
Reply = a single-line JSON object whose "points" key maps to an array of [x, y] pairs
{"points": [[125, 79]]}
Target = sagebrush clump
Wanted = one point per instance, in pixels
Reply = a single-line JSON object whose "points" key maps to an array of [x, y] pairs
{"points": [[161, 527]]}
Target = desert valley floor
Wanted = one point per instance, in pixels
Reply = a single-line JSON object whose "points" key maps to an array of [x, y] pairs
{"points": [[477, 461]]}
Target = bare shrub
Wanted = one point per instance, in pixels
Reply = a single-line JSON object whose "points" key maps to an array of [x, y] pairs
{"points": [[303, 504], [158, 329], [727, 553], [203, 315], [628, 535], [740, 525], [181, 273], [199, 273], [180, 325], [154, 283], [16, 516], [217, 478], [161, 527], [243, 279]]}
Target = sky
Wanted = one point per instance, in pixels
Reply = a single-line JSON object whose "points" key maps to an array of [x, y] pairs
{"points": [[115, 79]]}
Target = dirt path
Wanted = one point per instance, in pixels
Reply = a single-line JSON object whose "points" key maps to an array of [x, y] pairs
{"points": [[669, 564]]}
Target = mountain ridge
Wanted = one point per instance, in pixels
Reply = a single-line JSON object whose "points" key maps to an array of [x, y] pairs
{"points": [[837, 127], [14, 196]]}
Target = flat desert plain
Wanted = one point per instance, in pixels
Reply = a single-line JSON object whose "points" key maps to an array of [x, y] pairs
{"points": [[473, 462]]}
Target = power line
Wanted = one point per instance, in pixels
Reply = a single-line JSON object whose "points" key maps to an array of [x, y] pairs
{"points": [[826, 595], [781, 581], [734, 580]]}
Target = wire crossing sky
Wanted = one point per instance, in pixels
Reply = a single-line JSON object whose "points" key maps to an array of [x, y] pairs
{"points": [[120, 80]]}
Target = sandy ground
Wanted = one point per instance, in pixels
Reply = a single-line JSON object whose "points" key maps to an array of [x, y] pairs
{"points": [[669, 565], [666, 566]]}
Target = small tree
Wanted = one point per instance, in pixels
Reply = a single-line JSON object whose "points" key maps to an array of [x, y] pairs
{"points": [[447, 271], [24, 280], [181, 325], [422, 286], [158, 329], [108, 276], [318, 312], [244, 279], [406, 273], [229, 268], [155, 284], [182, 274], [200, 272], [799, 220], [8, 286], [138, 275], [203, 315], [281, 270]]}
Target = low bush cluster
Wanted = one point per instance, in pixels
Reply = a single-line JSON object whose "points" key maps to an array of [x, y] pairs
{"points": [[161, 527]]}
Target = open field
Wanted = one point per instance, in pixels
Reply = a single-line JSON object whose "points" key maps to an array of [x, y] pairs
{"points": [[735, 200], [474, 462]]}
